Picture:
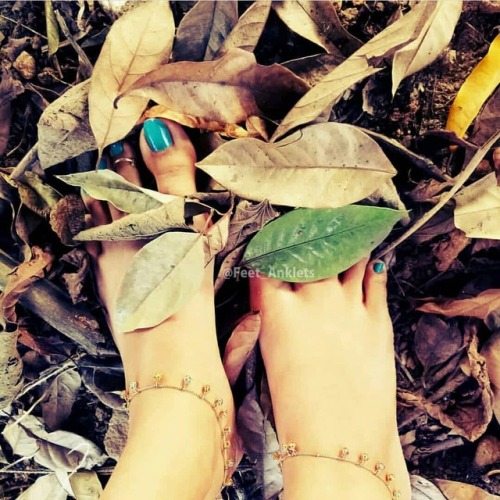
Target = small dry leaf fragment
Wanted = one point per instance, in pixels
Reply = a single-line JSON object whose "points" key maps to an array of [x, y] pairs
{"points": [[52, 27], [9, 90], [76, 266], [21, 279], [486, 123], [25, 65], [240, 344], [457, 490], [487, 451], [491, 353], [245, 87], [203, 29], [11, 368], [147, 31], [478, 86], [116, 435], [446, 252], [67, 218], [313, 68], [86, 485]]}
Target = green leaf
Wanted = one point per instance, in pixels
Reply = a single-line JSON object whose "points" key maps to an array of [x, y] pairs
{"points": [[106, 185], [52, 28], [312, 244], [162, 278]]}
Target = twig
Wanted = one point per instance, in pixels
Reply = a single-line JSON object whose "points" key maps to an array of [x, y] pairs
{"points": [[460, 180], [26, 163], [23, 25]]}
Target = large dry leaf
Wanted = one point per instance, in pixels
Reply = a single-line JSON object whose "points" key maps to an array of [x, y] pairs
{"points": [[366, 61], [11, 368], [486, 123], [478, 86], [138, 42], [432, 39], [244, 87], [326, 165], [318, 22], [203, 29], [478, 208], [454, 490], [475, 307], [422, 489], [246, 34], [168, 271], [240, 344], [58, 451], [63, 129], [45, 487]]}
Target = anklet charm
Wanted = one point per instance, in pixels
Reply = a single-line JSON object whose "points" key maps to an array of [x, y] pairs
{"points": [[220, 414], [290, 450]]}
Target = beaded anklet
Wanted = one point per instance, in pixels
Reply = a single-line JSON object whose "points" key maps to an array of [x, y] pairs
{"points": [[290, 450], [216, 406]]}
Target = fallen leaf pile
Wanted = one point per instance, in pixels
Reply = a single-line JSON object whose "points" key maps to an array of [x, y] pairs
{"points": [[302, 177]]}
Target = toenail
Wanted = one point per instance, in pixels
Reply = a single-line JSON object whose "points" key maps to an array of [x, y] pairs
{"points": [[116, 148], [103, 164], [379, 267], [157, 135]]}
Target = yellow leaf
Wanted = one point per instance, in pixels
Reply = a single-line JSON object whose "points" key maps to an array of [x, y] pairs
{"points": [[52, 28], [138, 42], [478, 86]]}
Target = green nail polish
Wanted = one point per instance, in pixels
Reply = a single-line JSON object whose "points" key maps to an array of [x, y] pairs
{"points": [[157, 135], [116, 148], [379, 267]]}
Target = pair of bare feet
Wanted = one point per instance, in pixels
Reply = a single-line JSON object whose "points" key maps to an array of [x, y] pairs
{"points": [[327, 347]]}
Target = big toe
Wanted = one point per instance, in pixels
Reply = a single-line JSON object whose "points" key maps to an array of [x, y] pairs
{"points": [[169, 155], [375, 287]]}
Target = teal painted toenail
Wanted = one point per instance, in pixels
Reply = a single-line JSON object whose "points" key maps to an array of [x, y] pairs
{"points": [[157, 135], [116, 148], [379, 267], [103, 164]]}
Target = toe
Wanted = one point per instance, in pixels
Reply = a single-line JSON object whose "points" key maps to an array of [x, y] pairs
{"points": [[169, 155], [265, 290], [352, 279], [375, 286], [316, 290]]}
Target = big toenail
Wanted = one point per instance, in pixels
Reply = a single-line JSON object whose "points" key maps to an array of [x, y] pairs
{"points": [[116, 148], [379, 267], [157, 135]]}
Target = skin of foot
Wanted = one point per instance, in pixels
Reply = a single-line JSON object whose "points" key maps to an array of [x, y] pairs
{"points": [[328, 351], [174, 444]]}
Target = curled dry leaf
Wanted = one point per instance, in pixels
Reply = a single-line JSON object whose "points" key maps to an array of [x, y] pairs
{"points": [[478, 86], [9, 89], [37, 195], [245, 87], [246, 34], [228, 129], [432, 38], [63, 129], [67, 218], [478, 208], [240, 344], [446, 252], [487, 451], [366, 61], [307, 245], [77, 269], [486, 122], [323, 165], [45, 487], [456, 490], [21, 279], [203, 29], [86, 485], [318, 22], [147, 33], [177, 274], [491, 353]]}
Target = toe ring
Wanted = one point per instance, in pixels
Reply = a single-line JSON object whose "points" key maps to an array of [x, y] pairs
{"points": [[128, 160]]}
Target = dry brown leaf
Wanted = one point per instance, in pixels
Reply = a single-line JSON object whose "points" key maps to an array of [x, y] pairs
{"points": [[227, 129], [245, 87], [257, 127], [203, 29], [21, 279], [9, 89], [241, 344], [475, 307], [313, 68], [116, 435], [483, 244], [369, 59], [67, 218], [77, 269], [318, 22], [246, 34], [138, 42], [447, 252], [36, 194], [487, 451], [453, 490], [491, 353], [427, 191], [486, 123], [11, 368]]}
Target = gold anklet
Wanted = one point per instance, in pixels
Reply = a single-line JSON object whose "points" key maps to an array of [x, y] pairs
{"points": [[290, 450], [215, 405]]}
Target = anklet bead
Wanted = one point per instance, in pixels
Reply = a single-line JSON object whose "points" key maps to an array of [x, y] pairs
{"points": [[363, 458], [186, 381], [389, 478], [344, 452], [396, 494], [218, 402], [379, 466], [204, 391]]}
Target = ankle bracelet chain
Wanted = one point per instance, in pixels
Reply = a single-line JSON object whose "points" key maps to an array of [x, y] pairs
{"points": [[215, 405], [290, 450]]}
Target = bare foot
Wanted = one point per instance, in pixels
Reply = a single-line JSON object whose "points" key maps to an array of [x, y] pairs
{"points": [[328, 351], [185, 343]]}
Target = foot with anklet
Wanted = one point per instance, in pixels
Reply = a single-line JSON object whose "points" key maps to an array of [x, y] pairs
{"points": [[328, 351], [181, 442]]}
